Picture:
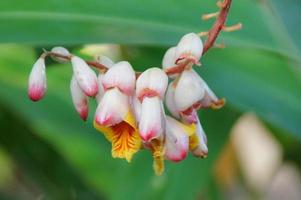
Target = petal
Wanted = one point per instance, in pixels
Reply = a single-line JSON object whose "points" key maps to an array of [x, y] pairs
{"points": [[170, 100], [189, 90], [37, 80], [156, 147], [124, 137], [176, 141], [169, 60], [79, 99], [104, 60], [198, 142], [62, 51], [189, 47], [151, 122], [153, 79], [85, 76], [136, 105], [120, 75], [191, 117], [112, 108], [101, 90]]}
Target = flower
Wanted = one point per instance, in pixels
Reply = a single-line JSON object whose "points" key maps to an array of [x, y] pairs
{"points": [[85, 76], [189, 47], [177, 139], [114, 115], [79, 99], [150, 90], [37, 80]]}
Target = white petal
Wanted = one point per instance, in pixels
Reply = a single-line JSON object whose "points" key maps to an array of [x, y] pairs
{"points": [[112, 108], [189, 90], [85, 76], [169, 60], [120, 75], [101, 90], [60, 50], [209, 96], [136, 104], [176, 141], [151, 123], [79, 99], [104, 60], [153, 79], [201, 150], [191, 46], [37, 80], [170, 100]]}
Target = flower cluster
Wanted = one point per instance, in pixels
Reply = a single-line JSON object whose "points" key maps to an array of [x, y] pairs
{"points": [[130, 111]]}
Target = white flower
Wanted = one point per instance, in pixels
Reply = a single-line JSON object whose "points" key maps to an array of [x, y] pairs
{"points": [[170, 100], [79, 99], [120, 75], [189, 47], [112, 108], [62, 51], [189, 90], [150, 89], [37, 80], [151, 82], [176, 141], [85, 76]]}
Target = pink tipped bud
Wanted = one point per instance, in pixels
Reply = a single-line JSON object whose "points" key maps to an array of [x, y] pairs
{"points": [[79, 99], [153, 81], [120, 75], [37, 80], [189, 47], [85, 76], [176, 141]]}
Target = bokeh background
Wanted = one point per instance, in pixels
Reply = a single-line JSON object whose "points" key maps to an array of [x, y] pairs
{"points": [[47, 152]]}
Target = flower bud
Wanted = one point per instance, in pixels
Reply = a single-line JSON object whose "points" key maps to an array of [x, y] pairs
{"points": [[176, 141], [62, 51], [79, 99], [37, 80], [152, 82], [85, 76], [120, 75], [189, 90], [104, 60], [189, 47]]}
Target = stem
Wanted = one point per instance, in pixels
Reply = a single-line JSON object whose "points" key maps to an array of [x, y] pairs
{"points": [[218, 25]]}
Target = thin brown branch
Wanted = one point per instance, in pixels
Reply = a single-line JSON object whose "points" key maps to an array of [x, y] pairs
{"points": [[218, 25]]}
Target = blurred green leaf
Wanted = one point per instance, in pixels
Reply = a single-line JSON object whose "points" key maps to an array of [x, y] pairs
{"points": [[136, 22]]}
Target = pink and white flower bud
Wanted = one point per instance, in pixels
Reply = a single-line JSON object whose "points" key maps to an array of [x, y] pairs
{"points": [[152, 82], [189, 47], [112, 108], [152, 119], [189, 90], [37, 80], [201, 150], [101, 90], [169, 61], [79, 99], [120, 75], [104, 60], [176, 141], [85, 76], [170, 100], [62, 51]]}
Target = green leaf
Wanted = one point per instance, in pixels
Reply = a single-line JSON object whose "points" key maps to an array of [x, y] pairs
{"points": [[135, 22]]}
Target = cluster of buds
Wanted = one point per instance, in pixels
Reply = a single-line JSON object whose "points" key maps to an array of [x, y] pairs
{"points": [[130, 111]]}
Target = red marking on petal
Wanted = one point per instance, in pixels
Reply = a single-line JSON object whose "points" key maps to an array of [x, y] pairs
{"points": [[178, 158], [84, 113], [105, 121], [93, 91], [147, 93], [36, 93], [148, 136]]}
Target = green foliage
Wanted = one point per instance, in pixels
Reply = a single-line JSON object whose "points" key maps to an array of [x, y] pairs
{"points": [[259, 71]]}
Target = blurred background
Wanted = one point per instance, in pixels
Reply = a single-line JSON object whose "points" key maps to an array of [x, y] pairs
{"points": [[47, 152]]}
